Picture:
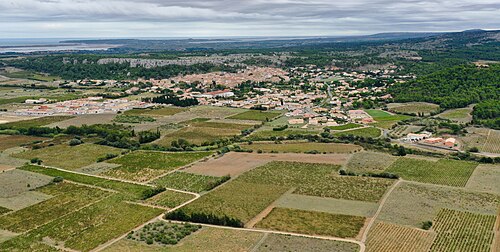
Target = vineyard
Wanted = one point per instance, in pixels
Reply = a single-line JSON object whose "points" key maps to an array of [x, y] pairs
{"points": [[492, 142], [389, 237], [463, 231], [190, 182]]}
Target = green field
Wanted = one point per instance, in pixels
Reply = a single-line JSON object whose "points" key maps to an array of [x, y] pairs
{"points": [[312, 223], [145, 165], [166, 111], [463, 231], [255, 115], [442, 172], [462, 115], [132, 191], [365, 162], [31, 76], [414, 108], [169, 199], [384, 119], [69, 157], [133, 119], [190, 182], [301, 147], [364, 132], [42, 121], [345, 126]]}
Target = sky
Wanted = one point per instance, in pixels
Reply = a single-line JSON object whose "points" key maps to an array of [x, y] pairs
{"points": [[217, 18]]}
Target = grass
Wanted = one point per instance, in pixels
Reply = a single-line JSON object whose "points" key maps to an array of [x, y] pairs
{"points": [[198, 135], [69, 157], [463, 231], [38, 122], [312, 223], [346, 126], [459, 115], [133, 119], [169, 199], [364, 162], [414, 108], [31, 76], [166, 111], [256, 115], [389, 237], [219, 125], [298, 147], [133, 191], [190, 182], [384, 119], [411, 204], [144, 165], [364, 132], [9, 141], [276, 242], [4, 210], [16, 182], [485, 178], [379, 114], [67, 198], [442, 172], [269, 134]]}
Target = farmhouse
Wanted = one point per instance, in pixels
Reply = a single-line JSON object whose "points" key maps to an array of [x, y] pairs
{"points": [[433, 140], [450, 142], [412, 137]]}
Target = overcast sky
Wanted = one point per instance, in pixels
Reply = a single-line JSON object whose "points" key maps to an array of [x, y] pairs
{"points": [[204, 18]]}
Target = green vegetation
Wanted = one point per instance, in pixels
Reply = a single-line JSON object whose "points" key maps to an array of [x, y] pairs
{"points": [[31, 76], [169, 199], [165, 111], [69, 157], [199, 135], [462, 115], [442, 172], [364, 132], [345, 126], [288, 133], [190, 182], [389, 237], [487, 113], [414, 108], [9, 141], [4, 210], [256, 115], [299, 147], [133, 191], [365, 162], [313, 223], [163, 233], [384, 119], [133, 119], [34, 122], [463, 231]]}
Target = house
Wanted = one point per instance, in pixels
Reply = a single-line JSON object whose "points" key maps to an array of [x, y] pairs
{"points": [[296, 121], [433, 140], [450, 142]]}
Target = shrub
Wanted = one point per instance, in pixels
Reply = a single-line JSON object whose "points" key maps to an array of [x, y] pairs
{"points": [[36, 161], [474, 149], [150, 192], [75, 142], [58, 179], [426, 225]]}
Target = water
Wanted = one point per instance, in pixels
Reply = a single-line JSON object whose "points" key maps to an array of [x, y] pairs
{"points": [[45, 44]]}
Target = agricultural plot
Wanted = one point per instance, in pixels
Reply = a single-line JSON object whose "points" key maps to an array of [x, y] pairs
{"points": [[4, 210], [411, 204], [367, 161], [327, 205], [198, 135], [463, 231], [9, 141], [42, 121], [442, 172], [385, 120], [275, 242], [486, 140], [209, 112], [301, 147], [97, 168], [461, 115], [270, 134], [85, 119], [67, 198], [207, 239], [163, 233], [363, 132], [346, 126], [165, 111], [485, 179], [256, 115], [190, 182], [23, 200], [312, 223], [413, 107], [69, 157], [15, 182], [169, 199], [389, 237], [145, 165]]}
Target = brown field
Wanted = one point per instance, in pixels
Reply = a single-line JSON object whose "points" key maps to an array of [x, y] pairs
{"points": [[8, 141], [300, 147], [236, 163], [15, 182], [388, 237], [85, 119], [486, 140], [485, 178]]}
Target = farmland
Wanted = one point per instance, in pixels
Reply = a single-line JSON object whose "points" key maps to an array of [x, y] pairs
{"points": [[144, 165], [313, 223], [200, 135], [389, 237], [413, 108], [385, 120], [345, 126], [69, 157], [365, 162], [485, 179], [442, 172], [163, 233], [461, 115], [166, 111], [190, 182], [9, 141], [169, 199], [275, 242], [35, 122], [265, 134], [463, 231], [255, 115], [300, 147], [486, 140], [363, 132]]}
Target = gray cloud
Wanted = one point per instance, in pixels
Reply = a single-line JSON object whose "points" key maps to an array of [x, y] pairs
{"points": [[157, 18]]}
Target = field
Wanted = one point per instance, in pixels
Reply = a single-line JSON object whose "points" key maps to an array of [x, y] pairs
{"points": [[298, 147], [269, 134], [442, 172], [411, 204], [166, 111], [485, 179], [15, 182], [85, 119], [255, 115], [144, 165], [365, 162], [163, 233], [312, 223], [486, 140], [7, 141], [133, 119], [385, 120], [461, 115], [190, 182], [363, 132], [413, 107], [198, 135], [235, 163], [69, 157], [42, 121], [30, 76], [389, 237], [132, 191], [169, 199], [463, 231], [275, 242], [346, 126]]}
